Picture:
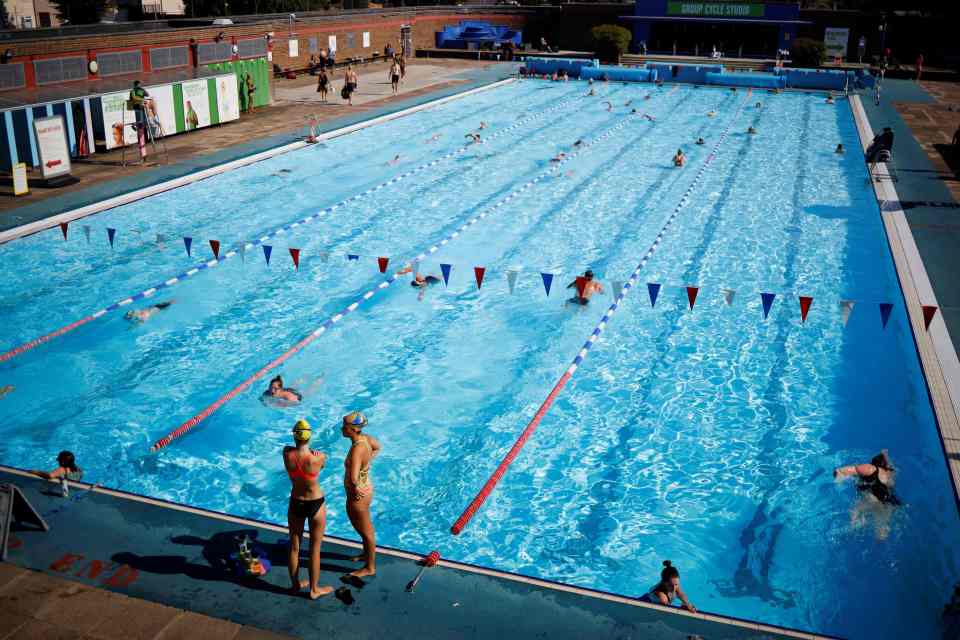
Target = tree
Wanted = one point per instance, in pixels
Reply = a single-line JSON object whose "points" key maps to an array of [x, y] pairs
{"points": [[79, 11], [610, 42], [807, 52], [4, 17]]}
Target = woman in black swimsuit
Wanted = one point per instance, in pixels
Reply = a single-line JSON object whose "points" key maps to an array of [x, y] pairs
{"points": [[303, 465], [875, 484], [323, 83]]}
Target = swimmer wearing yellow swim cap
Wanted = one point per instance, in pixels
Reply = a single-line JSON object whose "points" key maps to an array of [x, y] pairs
{"points": [[301, 431]]}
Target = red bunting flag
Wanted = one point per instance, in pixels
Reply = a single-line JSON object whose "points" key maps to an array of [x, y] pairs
{"points": [[805, 302], [581, 285], [928, 313], [295, 254], [383, 263], [63, 229], [478, 274], [215, 247], [692, 295]]}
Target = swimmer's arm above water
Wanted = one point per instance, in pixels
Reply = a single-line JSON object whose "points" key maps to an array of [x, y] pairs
{"points": [[59, 472], [686, 603], [853, 470]]}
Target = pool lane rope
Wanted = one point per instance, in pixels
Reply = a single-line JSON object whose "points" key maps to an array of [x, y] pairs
{"points": [[328, 324], [203, 266], [501, 469]]}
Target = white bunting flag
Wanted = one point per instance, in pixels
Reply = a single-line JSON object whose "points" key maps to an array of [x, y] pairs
{"points": [[846, 307], [243, 252], [615, 287], [512, 279], [728, 296], [324, 256]]}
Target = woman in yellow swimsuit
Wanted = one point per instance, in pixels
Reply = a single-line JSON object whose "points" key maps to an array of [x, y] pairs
{"points": [[359, 489]]}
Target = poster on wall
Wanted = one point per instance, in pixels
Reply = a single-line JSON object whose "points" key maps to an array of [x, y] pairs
{"points": [[294, 48], [332, 43], [228, 98], [835, 42], [117, 120], [163, 109], [196, 104], [366, 39], [51, 135]]}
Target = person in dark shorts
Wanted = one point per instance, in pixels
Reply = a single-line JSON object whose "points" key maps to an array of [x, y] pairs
{"points": [[395, 76], [303, 465], [323, 83], [350, 84]]}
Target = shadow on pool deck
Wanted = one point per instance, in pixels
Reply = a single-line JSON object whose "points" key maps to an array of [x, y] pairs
{"points": [[927, 192], [181, 558]]}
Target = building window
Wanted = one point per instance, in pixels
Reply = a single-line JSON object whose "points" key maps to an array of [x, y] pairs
{"points": [[252, 48], [43, 18], [119, 62], [55, 70], [209, 52], [11, 76], [169, 57]]}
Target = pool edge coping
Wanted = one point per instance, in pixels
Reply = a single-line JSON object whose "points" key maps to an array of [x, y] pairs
{"points": [[586, 592], [118, 200], [938, 358]]}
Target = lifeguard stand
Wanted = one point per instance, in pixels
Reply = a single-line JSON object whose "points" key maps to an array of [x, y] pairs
{"points": [[153, 133]]}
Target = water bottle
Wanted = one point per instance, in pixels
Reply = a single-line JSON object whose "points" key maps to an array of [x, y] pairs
{"points": [[64, 487]]}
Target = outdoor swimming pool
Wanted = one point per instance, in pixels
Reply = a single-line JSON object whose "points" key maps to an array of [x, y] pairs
{"points": [[707, 436]]}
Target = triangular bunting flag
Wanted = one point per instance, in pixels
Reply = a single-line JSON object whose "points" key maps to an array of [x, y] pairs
{"points": [[547, 281], [805, 302], [295, 254], [478, 274], [352, 256], [111, 233], [616, 287], [654, 290], [581, 283], [188, 242], [767, 299], [86, 232], [692, 295], [885, 309], [445, 271], [928, 313], [324, 256], [846, 308], [728, 295], [215, 247], [382, 263], [243, 251], [512, 279], [63, 229], [267, 250]]}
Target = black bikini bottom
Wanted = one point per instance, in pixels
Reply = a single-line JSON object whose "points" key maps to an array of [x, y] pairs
{"points": [[305, 508]]}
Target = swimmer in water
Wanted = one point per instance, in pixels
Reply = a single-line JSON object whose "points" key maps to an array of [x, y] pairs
{"points": [[5, 389], [668, 589], [875, 483], [634, 110], [278, 395], [711, 114], [830, 99], [395, 160], [590, 287], [628, 103], [432, 138], [591, 92], [474, 138], [483, 125], [646, 97], [609, 106], [142, 315], [649, 117], [420, 281], [839, 149], [559, 157], [577, 143], [758, 105], [751, 130], [701, 141], [679, 160]]}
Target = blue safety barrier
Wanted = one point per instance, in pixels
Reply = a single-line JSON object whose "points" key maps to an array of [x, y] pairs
{"points": [[759, 80], [619, 74], [549, 66], [695, 74]]}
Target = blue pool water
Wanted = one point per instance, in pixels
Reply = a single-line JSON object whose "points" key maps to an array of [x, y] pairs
{"points": [[707, 437]]}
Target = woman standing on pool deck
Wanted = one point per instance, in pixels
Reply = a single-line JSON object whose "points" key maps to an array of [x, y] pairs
{"points": [[303, 465], [356, 481]]}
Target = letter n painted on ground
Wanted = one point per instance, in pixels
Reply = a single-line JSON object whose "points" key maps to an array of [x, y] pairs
{"points": [[122, 577], [65, 562]]}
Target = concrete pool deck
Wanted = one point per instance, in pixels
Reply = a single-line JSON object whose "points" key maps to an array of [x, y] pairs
{"points": [[180, 557]]}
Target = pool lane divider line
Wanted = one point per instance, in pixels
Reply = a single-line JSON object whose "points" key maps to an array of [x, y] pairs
{"points": [[514, 451], [188, 425], [36, 342]]}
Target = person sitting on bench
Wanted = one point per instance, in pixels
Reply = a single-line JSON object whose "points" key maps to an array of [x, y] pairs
{"points": [[883, 142]]}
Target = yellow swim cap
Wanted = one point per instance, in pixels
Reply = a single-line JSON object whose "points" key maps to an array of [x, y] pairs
{"points": [[355, 419], [301, 431]]}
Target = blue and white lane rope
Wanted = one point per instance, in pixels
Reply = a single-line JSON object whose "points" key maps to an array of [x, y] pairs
{"points": [[188, 425], [203, 266], [501, 469]]}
